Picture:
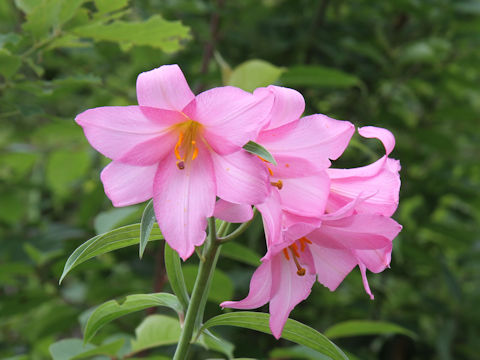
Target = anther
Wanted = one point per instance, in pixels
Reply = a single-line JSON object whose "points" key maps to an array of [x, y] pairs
{"points": [[300, 270], [180, 164], [270, 171], [177, 146], [285, 253], [195, 150], [278, 184]]}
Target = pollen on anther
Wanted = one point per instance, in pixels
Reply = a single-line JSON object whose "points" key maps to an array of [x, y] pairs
{"points": [[301, 272], [285, 253]]}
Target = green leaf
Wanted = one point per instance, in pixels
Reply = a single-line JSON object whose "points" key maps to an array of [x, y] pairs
{"points": [[101, 244], [105, 349], [70, 349], [156, 330], [146, 225], [319, 76], [48, 15], [9, 63], [105, 6], [293, 331], [253, 74], [257, 149], [297, 352], [221, 288], [175, 275], [114, 309], [366, 327], [26, 6], [213, 342], [111, 219], [240, 253], [155, 32]]}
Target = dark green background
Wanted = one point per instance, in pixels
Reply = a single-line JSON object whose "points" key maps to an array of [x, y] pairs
{"points": [[411, 66]]}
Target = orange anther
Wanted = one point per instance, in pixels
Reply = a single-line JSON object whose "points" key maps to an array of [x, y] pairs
{"points": [[270, 171], [285, 253], [278, 184]]}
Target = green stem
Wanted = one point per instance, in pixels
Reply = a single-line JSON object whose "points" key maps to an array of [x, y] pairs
{"points": [[238, 231], [200, 291]]}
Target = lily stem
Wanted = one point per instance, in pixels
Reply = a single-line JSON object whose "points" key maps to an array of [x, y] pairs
{"points": [[200, 291], [238, 231]]}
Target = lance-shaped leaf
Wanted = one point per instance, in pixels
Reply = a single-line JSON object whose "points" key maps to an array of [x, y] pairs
{"points": [[366, 327], [175, 275], [257, 149], [103, 243], [293, 331], [146, 225], [114, 309]]}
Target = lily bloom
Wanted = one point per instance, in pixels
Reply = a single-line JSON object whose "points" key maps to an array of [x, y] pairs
{"points": [[328, 253], [181, 150], [302, 148], [358, 232]]}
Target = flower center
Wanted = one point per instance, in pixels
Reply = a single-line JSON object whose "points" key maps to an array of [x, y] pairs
{"points": [[186, 147], [296, 254]]}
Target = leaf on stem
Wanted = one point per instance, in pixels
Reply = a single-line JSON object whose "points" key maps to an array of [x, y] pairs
{"points": [[293, 331], [70, 349], [113, 309], [146, 225], [175, 275], [101, 244], [366, 327]]}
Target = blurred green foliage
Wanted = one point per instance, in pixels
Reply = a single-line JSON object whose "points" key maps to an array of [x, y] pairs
{"points": [[408, 65]]}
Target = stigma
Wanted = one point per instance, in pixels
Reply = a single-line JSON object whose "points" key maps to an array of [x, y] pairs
{"points": [[295, 254]]}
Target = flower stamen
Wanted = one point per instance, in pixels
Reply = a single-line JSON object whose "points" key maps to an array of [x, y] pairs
{"points": [[295, 255], [278, 184]]}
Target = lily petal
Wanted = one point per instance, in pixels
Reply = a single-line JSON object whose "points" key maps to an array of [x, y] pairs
{"points": [[127, 184], [359, 231], [272, 218], [316, 138], [332, 265], [288, 105], [384, 135], [233, 213], [231, 116], [183, 200], [288, 289], [379, 181], [260, 289], [241, 177], [114, 130], [164, 87], [305, 196]]}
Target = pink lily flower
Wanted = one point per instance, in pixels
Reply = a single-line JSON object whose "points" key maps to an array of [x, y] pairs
{"points": [[359, 232], [181, 150], [302, 148], [328, 254]]}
